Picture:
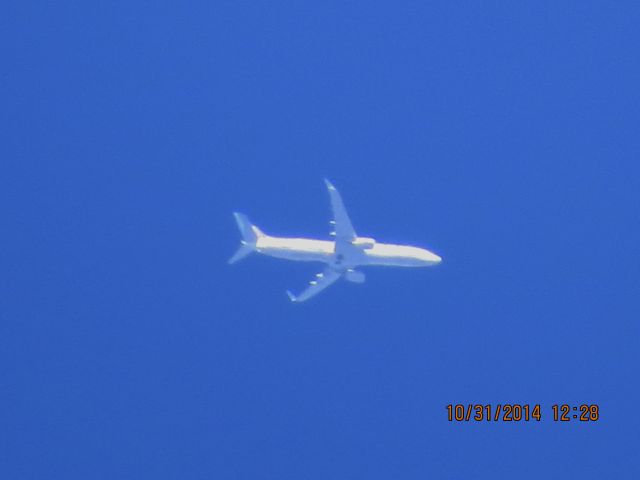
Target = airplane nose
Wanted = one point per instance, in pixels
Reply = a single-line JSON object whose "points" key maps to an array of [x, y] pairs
{"points": [[430, 258]]}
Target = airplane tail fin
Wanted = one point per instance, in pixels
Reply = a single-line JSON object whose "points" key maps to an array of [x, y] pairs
{"points": [[250, 234]]}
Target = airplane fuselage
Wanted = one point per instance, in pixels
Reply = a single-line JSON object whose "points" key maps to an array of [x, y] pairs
{"points": [[341, 255], [384, 254]]}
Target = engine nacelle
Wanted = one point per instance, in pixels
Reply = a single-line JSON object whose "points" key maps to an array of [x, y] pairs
{"points": [[365, 243], [354, 276]]}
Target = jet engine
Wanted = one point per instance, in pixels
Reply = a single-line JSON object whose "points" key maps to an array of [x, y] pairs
{"points": [[365, 243], [354, 276]]}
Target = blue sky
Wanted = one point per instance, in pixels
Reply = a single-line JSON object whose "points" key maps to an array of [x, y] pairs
{"points": [[503, 137]]}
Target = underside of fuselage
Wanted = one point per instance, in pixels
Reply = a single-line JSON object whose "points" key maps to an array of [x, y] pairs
{"points": [[299, 249], [310, 250]]}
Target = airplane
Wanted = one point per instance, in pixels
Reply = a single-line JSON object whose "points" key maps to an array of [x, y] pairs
{"points": [[342, 255]]}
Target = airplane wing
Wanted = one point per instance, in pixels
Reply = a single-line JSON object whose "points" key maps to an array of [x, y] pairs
{"points": [[322, 281], [343, 229]]}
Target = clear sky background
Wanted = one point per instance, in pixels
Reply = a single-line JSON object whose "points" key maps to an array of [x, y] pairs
{"points": [[501, 135]]}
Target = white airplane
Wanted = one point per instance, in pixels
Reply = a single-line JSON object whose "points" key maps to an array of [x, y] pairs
{"points": [[341, 255]]}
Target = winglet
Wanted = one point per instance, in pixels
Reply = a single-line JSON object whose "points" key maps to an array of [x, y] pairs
{"points": [[291, 296]]}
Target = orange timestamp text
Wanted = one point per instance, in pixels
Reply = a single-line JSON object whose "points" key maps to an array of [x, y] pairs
{"points": [[517, 412]]}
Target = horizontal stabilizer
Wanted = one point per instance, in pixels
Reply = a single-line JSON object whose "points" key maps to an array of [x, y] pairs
{"points": [[249, 231], [244, 250], [250, 234]]}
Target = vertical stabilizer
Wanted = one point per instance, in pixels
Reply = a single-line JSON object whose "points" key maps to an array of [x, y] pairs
{"points": [[250, 234]]}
